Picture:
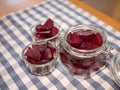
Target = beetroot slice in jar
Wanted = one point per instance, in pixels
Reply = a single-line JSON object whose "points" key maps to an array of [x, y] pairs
{"points": [[74, 39], [86, 45], [45, 33], [48, 24], [85, 39], [87, 35], [97, 40], [39, 27]]}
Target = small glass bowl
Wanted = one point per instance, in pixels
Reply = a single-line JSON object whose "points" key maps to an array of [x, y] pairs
{"points": [[40, 69], [54, 39]]}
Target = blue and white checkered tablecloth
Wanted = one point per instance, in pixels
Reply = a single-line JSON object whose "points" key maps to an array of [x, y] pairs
{"points": [[15, 35]]}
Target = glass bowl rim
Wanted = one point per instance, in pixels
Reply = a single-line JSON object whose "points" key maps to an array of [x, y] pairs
{"points": [[40, 65], [42, 22]]}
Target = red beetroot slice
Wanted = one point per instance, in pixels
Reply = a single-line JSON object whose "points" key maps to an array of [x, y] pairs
{"points": [[87, 63], [52, 49], [33, 53], [74, 39], [95, 67], [40, 53], [46, 30], [80, 67], [47, 55], [76, 62], [87, 46], [64, 56], [37, 35], [40, 47], [39, 27], [80, 70], [97, 40], [49, 24], [45, 33], [43, 61], [87, 35], [32, 60], [54, 31]]}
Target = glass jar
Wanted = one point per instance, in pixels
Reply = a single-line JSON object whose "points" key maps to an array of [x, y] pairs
{"points": [[115, 68], [83, 63], [54, 39], [40, 57]]}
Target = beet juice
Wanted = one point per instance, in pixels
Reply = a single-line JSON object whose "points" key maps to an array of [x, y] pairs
{"points": [[83, 50]]}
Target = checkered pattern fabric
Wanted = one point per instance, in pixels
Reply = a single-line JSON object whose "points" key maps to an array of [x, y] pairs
{"points": [[15, 34]]}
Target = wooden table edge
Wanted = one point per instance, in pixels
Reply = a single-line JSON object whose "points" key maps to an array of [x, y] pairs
{"points": [[105, 18]]}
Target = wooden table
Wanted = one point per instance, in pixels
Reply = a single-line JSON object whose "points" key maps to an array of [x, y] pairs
{"points": [[8, 6]]}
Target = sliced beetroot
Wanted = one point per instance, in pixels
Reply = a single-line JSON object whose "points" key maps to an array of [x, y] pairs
{"points": [[97, 40], [37, 35], [81, 72], [76, 62], [64, 56], [40, 47], [28, 51], [49, 23], [87, 35], [87, 63], [47, 54], [40, 53], [95, 67], [80, 68], [85, 39], [54, 31], [39, 27], [45, 33], [43, 61], [33, 53], [87, 46], [74, 39], [31, 60], [46, 30]]}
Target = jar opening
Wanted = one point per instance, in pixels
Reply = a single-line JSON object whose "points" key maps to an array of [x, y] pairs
{"points": [[84, 52]]}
